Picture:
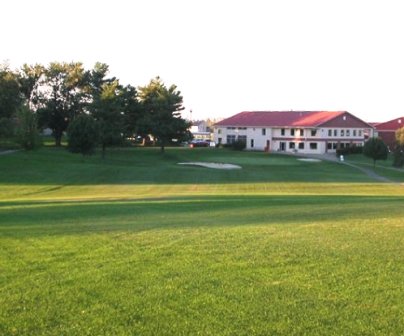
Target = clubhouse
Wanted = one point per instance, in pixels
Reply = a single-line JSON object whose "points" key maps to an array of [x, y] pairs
{"points": [[308, 132]]}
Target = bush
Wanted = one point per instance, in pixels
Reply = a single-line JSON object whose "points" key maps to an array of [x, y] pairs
{"points": [[239, 145], [349, 150]]}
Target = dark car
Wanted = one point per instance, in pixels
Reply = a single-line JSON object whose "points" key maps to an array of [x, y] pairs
{"points": [[199, 143]]}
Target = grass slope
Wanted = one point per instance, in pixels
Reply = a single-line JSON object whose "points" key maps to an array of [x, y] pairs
{"points": [[140, 245]]}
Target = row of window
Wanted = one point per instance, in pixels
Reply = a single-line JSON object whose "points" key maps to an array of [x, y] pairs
{"points": [[300, 132], [234, 128], [300, 145], [343, 132]]}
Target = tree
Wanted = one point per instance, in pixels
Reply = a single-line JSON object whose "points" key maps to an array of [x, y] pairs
{"points": [[62, 97], [83, 135], [375, 149], [10, 100], [162, 108], [400, 136], [398, 155], [109, 103], [30, 78], [27, 129]]}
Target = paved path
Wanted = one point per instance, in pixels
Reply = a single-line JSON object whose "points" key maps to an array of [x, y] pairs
{"points": [[334, 158], [8, 151]]}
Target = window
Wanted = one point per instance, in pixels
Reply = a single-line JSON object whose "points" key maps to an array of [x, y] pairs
{"points": [[329, 145], [313, 132], [282, 131], [219, 131], [313, 145], [329, 133], [301, 132], [301, 145], [354, 132], [291, 145], [342, 133], [242, 128], [264, 131], [360, 132], [219, 140], [348, 132], [231, 128], [292, 131], [334, 145], [242, 138], [335, 133], [252, 143], [231, 139]]}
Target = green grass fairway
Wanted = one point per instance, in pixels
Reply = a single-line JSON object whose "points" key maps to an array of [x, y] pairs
{"points": [[139, 245]]}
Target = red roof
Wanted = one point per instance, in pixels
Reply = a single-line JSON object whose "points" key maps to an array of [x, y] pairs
{"points": [[281, 118], [391, 125]]}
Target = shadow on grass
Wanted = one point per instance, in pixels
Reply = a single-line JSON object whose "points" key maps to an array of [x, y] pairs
{"points": [[29, 219]]}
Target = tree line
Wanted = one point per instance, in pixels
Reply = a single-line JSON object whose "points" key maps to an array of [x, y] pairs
{"points": [[91, 107]]}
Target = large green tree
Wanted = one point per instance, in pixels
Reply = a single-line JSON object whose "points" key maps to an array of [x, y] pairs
{"points": [[30, 78], [162, 108], [114, 106], [27, 128], [375, 149], [83, 135], [398, 154], [10, 99], [62, 96]]}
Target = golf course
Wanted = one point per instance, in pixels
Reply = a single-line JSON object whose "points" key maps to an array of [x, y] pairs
{"points": [[144, 243]]}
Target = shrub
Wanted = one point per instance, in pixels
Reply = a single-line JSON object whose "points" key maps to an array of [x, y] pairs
{"points": [[349, 150], [239, 145]]}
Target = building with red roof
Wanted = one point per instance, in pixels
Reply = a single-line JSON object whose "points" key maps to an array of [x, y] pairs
{"points": [[387, 131], [308, 132]]}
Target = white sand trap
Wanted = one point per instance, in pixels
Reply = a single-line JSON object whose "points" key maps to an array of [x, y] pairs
{"points": [[213, 165], [309, 160]]}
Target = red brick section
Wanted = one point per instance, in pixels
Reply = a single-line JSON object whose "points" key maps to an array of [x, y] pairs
{"points": [[387, 131]]}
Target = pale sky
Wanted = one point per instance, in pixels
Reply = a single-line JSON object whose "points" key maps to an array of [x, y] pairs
{"points": [[227, 56]]}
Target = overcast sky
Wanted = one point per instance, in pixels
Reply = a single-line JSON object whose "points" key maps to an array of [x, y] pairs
{"points": [[227, 56]]}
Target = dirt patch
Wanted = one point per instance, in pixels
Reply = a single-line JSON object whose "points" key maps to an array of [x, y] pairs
{"points": [[213, 165]]}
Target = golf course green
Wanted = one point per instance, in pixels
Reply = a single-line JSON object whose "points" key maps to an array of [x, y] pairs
{"points": [[138, 244]]}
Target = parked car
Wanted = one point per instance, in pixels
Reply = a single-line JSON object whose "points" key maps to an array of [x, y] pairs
{"points": [[199, 143]]}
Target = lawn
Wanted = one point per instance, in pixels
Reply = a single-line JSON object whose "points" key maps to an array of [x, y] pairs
{"points": [[139, 245]]}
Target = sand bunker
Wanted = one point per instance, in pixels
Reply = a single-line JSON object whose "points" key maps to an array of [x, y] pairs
{"points": [[309, 160], [213, 165]]}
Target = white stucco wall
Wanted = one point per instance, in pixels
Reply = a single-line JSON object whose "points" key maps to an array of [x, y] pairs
{"points": [[275, 137]]}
